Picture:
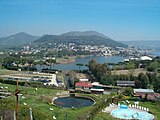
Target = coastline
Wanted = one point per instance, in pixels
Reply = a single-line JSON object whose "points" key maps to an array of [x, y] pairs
{"points": [[69, 59]]}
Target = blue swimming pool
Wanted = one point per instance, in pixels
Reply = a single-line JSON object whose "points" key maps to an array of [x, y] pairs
{"points": [[123, 107], [131, 114]]}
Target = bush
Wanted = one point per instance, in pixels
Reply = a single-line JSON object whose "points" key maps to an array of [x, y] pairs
{"points": [[120, 96], [128, 91]]}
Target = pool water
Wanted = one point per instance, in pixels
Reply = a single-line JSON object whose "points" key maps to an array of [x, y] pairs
{"points": [[123, 107], [131, 114]]}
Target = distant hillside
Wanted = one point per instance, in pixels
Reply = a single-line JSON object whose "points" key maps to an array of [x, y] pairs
{"points": [[85, 33], [17, 39], [80, 38], [144, 43]]}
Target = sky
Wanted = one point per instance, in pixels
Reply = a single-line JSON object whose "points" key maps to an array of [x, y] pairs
{"points": [[117, 19]]}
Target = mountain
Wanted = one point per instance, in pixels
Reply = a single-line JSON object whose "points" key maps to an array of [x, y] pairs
{"points": [[17, 39], [80, 38], [85, 33]]}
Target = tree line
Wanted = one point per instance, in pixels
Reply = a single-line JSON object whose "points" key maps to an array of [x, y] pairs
{"points": [[15, 63], [102, 73]]}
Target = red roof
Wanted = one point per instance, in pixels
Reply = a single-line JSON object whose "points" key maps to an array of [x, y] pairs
{"points": [[83, 84]]}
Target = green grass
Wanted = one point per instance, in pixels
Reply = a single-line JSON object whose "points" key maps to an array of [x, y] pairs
{"points": [[41, 108], [154, 108], [6, 72], [104, 116]]}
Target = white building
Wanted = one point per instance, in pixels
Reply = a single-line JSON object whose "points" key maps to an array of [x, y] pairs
{"points": [[145, 58]]}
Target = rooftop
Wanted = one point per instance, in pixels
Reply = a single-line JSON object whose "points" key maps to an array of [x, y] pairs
{"points": [[143, 91], [83, 84], [100, 90], [145, 58], [125, 83], [97, 84]]}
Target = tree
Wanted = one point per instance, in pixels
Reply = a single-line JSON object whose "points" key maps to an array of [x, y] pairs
{"points": [[131, 67], [86, 65], [137, 83], [156, 84], [41, 63], [17, 63], [80, 65], [128, 91], [153, 66], [107, 80], [30, 62], [92, 65], [143, 78], [152, 77], [72, 78], [50, 62], [99, 70]]}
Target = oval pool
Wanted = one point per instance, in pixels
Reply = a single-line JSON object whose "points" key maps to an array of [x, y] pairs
{"points": [[73, 102], [131, 114]]}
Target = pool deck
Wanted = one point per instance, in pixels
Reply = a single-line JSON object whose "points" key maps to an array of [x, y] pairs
{"points": [[112, 107]]}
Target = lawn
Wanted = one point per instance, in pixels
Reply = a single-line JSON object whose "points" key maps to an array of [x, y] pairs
{"points": [[104, 116], [6, 72], [154, 108], [41, 108]]}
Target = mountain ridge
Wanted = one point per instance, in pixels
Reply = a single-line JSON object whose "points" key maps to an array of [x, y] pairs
{"points": [[80, 38], [77, 37], [20, 38], [84, 33]]}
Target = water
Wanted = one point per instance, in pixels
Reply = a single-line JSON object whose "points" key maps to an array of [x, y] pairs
{"points": [[156, 53], [131, 114], [73, 102], [99, 59], [146, 44], [123, 107]]}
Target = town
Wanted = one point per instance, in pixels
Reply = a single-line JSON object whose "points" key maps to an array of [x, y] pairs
{"points": [[79, 60], [132, 84]]}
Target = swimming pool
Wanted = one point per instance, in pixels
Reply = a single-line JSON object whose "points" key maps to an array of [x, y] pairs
{"points": [[123, 107], [131, 114]]}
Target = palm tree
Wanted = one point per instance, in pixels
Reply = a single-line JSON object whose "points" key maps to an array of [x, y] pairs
{"points": [[80, 64], [50, 62], [40, 63]]}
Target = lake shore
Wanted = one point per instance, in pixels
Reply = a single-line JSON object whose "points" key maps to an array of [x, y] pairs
{"points": [[70, 59]]}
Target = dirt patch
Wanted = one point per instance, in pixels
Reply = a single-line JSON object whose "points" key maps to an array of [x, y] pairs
{"points": [[135, 72]]}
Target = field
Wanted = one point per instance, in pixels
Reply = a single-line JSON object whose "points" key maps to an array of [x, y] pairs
{"points": [[135, 72], [154, 108], [6, 72], [38, 101]]}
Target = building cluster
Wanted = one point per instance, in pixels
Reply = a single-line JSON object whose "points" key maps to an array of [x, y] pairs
{"points": [[99, 50], [86, 86], [148, 94], [50, 79]]}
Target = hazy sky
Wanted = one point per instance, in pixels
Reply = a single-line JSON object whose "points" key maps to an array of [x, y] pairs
{"points": [[118, 19]]}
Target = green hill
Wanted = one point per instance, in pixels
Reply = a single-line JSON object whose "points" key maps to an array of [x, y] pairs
{"points": [[17, 39], [80, 38]]}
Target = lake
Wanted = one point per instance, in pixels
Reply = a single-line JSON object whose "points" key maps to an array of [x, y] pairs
{"points": [[156, 53], [99, 59]]}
